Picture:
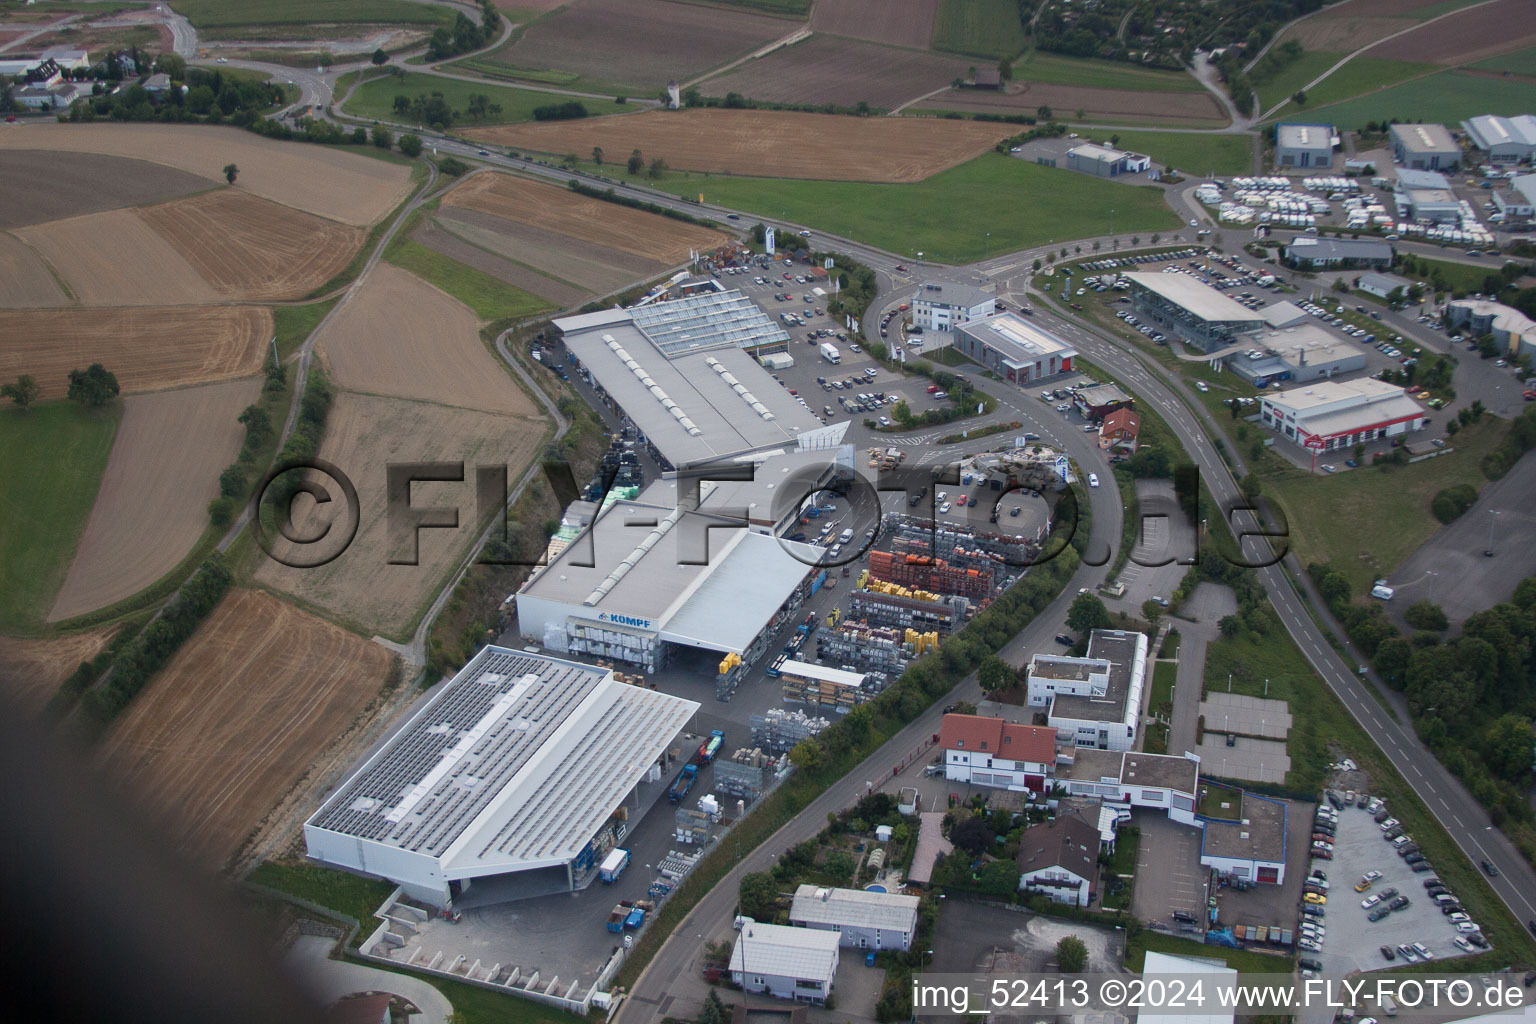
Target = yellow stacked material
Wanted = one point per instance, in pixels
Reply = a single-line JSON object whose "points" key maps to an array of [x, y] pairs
{"points": [[863, 578], [729, 662], [922, 642]]}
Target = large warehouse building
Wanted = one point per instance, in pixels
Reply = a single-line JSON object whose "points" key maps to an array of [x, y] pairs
{"points": [[1312, 253], [1503, 140], [1195, 311], [1304, 145], [1340, 414], [1015, 348], [516, 770], [684, 372], [1302, 353], [1424, 147]]}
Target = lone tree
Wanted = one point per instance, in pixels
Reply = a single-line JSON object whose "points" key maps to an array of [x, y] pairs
{"points": [[23, 392], [994, 673], [93, 386], [379, 57], [636, 162], [1087, 613], [1071, 954], [1151, 611], [410, 144], [972, 835], [597, 155], [231, 172]]}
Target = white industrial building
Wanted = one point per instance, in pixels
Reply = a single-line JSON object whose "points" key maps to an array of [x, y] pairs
{"points": [[511, 776], [1014, 348], [1304, 145], [1310, 252], [1195, 311], [1126, 779], [1105, 161], [1093, 701], [1424, 147], [1382, 285], [1425, 196], [1216, 977], [1503, 140], [1250, 847], [788, 963], [1301, 353], [986, 751], [861, 919], [1328, 415], [941, 306], [686, 374]]}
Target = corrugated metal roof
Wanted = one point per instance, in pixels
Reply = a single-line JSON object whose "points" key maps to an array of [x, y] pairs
{"points": [[854, 908], [774, 949], [1193, 296]]}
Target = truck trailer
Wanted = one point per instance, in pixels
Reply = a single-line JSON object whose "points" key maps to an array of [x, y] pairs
{"points": [[710, 747], [683, 783], [613, 865]]}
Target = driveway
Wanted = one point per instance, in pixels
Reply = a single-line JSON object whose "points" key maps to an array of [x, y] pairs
{"points": [[1205, 608], [1168, 872], [328, 980]]}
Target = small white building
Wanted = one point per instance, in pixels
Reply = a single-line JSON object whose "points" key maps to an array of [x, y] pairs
{"points": [[1060, 858], [1329, 415], [1382, 285], [1093, 701], [1126, 779], [944, 306], [861, 919], [1250, 848], [787, 963], [1215, 975]]}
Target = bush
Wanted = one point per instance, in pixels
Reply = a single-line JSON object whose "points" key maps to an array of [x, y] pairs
{"points": [[1424, 615], [221, 511], [1449, 504]]}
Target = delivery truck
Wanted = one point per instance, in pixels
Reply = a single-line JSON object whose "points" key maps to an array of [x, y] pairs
{"points": [[830, 353], [613, 865], [683, 783], [710, 747]]}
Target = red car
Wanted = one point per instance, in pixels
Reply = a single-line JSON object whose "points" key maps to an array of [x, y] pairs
{"points": [[786, 277], [1530, 396], [901, 266]]}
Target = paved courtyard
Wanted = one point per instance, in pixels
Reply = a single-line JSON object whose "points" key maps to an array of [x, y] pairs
{"points": [[1168, 873], [1246, 716], [1246, 758]]}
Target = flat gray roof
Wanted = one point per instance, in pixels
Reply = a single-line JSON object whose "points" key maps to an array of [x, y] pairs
{"points": [[1283, 314], [649, 567], [1306, 247], [1425, 138], [1193, 296], [1407, 177], [1055, 666], [1260, 835], [1019, 341], [1119, 649], [514, 764], [697, 405], [1164, 771], [854, 908], [946, 293], [1092, 765], [1304, 136]]}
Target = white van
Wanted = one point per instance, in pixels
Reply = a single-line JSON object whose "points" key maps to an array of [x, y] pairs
{"points": [[845, 536], [1381, 591]]}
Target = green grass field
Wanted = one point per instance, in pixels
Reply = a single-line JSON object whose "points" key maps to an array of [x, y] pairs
{"points": [[1517, 62], [992, 204], [1196, 153], [1446, 98], [1105, 74], [51, 458], [211, 13], [376, 99], [979, 28], [1284, 82], [1244, 961], [489, 297]]}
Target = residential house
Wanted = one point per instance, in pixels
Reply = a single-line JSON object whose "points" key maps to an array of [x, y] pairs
{"points": [[992, 752], [1119, 431], [1060, 858]]}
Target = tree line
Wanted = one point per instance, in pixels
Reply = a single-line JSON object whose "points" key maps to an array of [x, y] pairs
{"points": [[465, 35], [92, 388]]}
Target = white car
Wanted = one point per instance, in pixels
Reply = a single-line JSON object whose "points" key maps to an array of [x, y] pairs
{"points": [[944, 508], [1369, 902], [1093, 479]]}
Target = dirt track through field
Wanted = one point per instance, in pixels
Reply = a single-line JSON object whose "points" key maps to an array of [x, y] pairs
{"points": [[153, 502], [33, 668], [42, 187], [363, 435], [456, 243], [25, 281], [114, 258], [330, 182], [400, 336], [592, 220], [243, 710], [1468, 36], [768, 143], [896, 22], [147, 348], [246, 247], [831, 69]]}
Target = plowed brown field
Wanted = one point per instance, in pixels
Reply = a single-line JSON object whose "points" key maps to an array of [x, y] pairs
{"points": [[148, 349], [25, 282], [897, 22], [363, 435], [768, 143], [246, 247], [451, 242], [1169, 108], [153, 502], [330, 182], [398, 335], [236, 719], [592, 220], [1484, 31], [32, 669], [47, 188], [831, 69], [115, 259]]}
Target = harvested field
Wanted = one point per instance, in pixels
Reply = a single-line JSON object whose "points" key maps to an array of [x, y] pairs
{"points": [[398, 335], [595, 268], [591, 220], [453, 244], [147, 348], [1471, 35], [114, 258], [638, 44], [365, 433], [153, 502], [257, 695], [317, 179], [769, 143], [1109, 105], [246, 247], [45, 188], [32, 669], [25, 281], [894, 22], [830, 69]]}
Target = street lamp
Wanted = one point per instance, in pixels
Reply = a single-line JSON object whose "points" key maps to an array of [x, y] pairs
{"points": [[1493, 518]]}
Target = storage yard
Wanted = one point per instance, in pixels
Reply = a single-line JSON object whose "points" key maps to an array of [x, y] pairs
{"points": [[148, 348], [260, 696], [399, 336], [317, 179], [767, 143], [153, 503]]}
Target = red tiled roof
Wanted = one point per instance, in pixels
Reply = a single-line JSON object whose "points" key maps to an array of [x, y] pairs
{"points": [[1121, 420], [1002, 739]]}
